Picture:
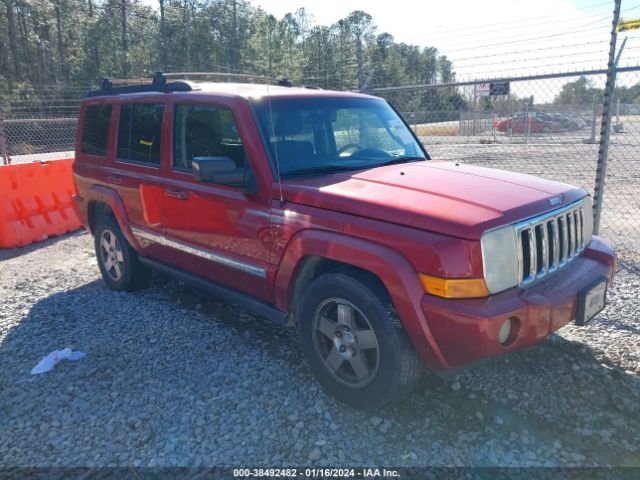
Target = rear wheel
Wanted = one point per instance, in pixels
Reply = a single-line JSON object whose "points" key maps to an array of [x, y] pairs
{"points": [[354, 343], [546, 129], [118, 262]]}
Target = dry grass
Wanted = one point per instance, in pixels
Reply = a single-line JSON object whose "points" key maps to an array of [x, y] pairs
{"points": [[439, 130]]}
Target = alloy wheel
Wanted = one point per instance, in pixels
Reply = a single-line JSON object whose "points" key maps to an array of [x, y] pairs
{"points": [[345, 342], [111, 255]]}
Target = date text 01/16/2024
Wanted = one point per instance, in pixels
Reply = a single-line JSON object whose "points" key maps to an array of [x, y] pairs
{"points": [[316, 473]]}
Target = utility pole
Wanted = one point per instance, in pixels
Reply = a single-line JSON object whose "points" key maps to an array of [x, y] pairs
{"points": [[605, 128]]}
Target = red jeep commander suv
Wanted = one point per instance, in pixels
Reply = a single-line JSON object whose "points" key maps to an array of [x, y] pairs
{"points": [[323, 210]]}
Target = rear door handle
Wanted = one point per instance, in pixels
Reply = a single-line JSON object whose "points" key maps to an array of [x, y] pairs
{"points": [[117, 179], [174, 193]]}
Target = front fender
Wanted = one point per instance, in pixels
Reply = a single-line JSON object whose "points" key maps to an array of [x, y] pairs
{"points": [[393, 269]]}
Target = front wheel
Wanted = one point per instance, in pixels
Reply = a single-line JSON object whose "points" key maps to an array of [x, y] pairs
{"points": [[354, 343]]}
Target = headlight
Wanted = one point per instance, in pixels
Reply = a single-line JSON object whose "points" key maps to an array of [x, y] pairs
{"points": [[500, 258]]}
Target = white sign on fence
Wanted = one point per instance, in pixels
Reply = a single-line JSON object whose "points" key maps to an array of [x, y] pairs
{"points": [[483, 89]]}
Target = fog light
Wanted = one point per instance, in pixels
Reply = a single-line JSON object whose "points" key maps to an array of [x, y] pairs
{"points": [[505, 332]]}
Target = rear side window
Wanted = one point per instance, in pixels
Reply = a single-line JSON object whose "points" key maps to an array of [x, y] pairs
{"points": [[95, 129], [139, 132]]}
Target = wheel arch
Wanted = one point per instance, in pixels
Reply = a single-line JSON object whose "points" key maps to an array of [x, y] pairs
{"points": [[104, 200], [313, 266], [95, 210], [313, 252]]}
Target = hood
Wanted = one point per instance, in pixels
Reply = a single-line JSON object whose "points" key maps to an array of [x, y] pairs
{"points": [[444, 197]]}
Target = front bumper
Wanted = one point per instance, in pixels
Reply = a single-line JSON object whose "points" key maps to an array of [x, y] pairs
{"points": [[467, 330]]}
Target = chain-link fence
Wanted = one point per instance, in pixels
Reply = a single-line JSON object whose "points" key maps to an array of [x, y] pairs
{"points": [[546, 125], [35, 123]]}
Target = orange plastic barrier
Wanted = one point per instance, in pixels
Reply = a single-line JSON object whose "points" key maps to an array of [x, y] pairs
{"points": [[35, 202]]}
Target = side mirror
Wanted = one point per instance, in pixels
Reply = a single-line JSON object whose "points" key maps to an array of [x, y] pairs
{"points": [[223, 171]]}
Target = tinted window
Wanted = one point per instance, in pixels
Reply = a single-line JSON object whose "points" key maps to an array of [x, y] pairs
{"points": [[139, 132], [205, 131], [95, 129]]}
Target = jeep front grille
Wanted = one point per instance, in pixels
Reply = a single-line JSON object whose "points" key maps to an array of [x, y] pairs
{"points": [[551, 241]]}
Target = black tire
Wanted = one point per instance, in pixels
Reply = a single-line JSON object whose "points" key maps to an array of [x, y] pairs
{"points": [[393, 365], [121, 272]]}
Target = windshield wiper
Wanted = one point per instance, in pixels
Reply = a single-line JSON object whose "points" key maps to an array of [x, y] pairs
{"points": [[396, 161], [322, 169]]}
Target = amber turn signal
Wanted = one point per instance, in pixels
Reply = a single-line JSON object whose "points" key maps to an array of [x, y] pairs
{"points": [[454, 287]]}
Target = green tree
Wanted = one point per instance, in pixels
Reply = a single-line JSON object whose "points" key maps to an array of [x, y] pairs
{"points": [[578, 92]]}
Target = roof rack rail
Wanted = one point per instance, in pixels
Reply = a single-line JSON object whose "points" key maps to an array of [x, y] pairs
{"points": [[158, 84], [218, 74]]}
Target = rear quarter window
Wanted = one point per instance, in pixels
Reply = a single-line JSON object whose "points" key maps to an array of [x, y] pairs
{"points": [[95, 129], [139, 132]]}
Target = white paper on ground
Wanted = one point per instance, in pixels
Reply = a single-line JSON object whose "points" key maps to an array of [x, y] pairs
{"points": [[50, 361]]}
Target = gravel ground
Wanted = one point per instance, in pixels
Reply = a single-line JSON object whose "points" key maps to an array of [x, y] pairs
{"points": [[173, 378]]}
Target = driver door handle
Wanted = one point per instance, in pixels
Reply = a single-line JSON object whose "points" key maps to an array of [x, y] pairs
{"points": [[175, 193]]}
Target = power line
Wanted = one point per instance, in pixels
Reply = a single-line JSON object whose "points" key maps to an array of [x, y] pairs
{"points": [[513, 22], [521, 20], [518, 52], [543, 37], [538, 67], [514, 27], [575, 30], [522, 41], [529, 59]]}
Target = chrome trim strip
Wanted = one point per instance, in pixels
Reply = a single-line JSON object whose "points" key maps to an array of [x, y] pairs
{"points": [[200, 252], [565, 243], [556, 245], [533, 253], [576, 219], [520, 255], [581, 216], [545, 248], [571, 233]]}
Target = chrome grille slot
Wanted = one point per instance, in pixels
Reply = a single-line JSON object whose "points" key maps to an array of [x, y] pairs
{"points": [[562, 226], [550, 242], [571, 237], [554, 250]]}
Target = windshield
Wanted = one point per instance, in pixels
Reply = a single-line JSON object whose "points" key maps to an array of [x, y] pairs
{"points": [[325, 135]]}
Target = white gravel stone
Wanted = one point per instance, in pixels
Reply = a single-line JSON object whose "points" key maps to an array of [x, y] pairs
{"points": [[168, 383]]}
